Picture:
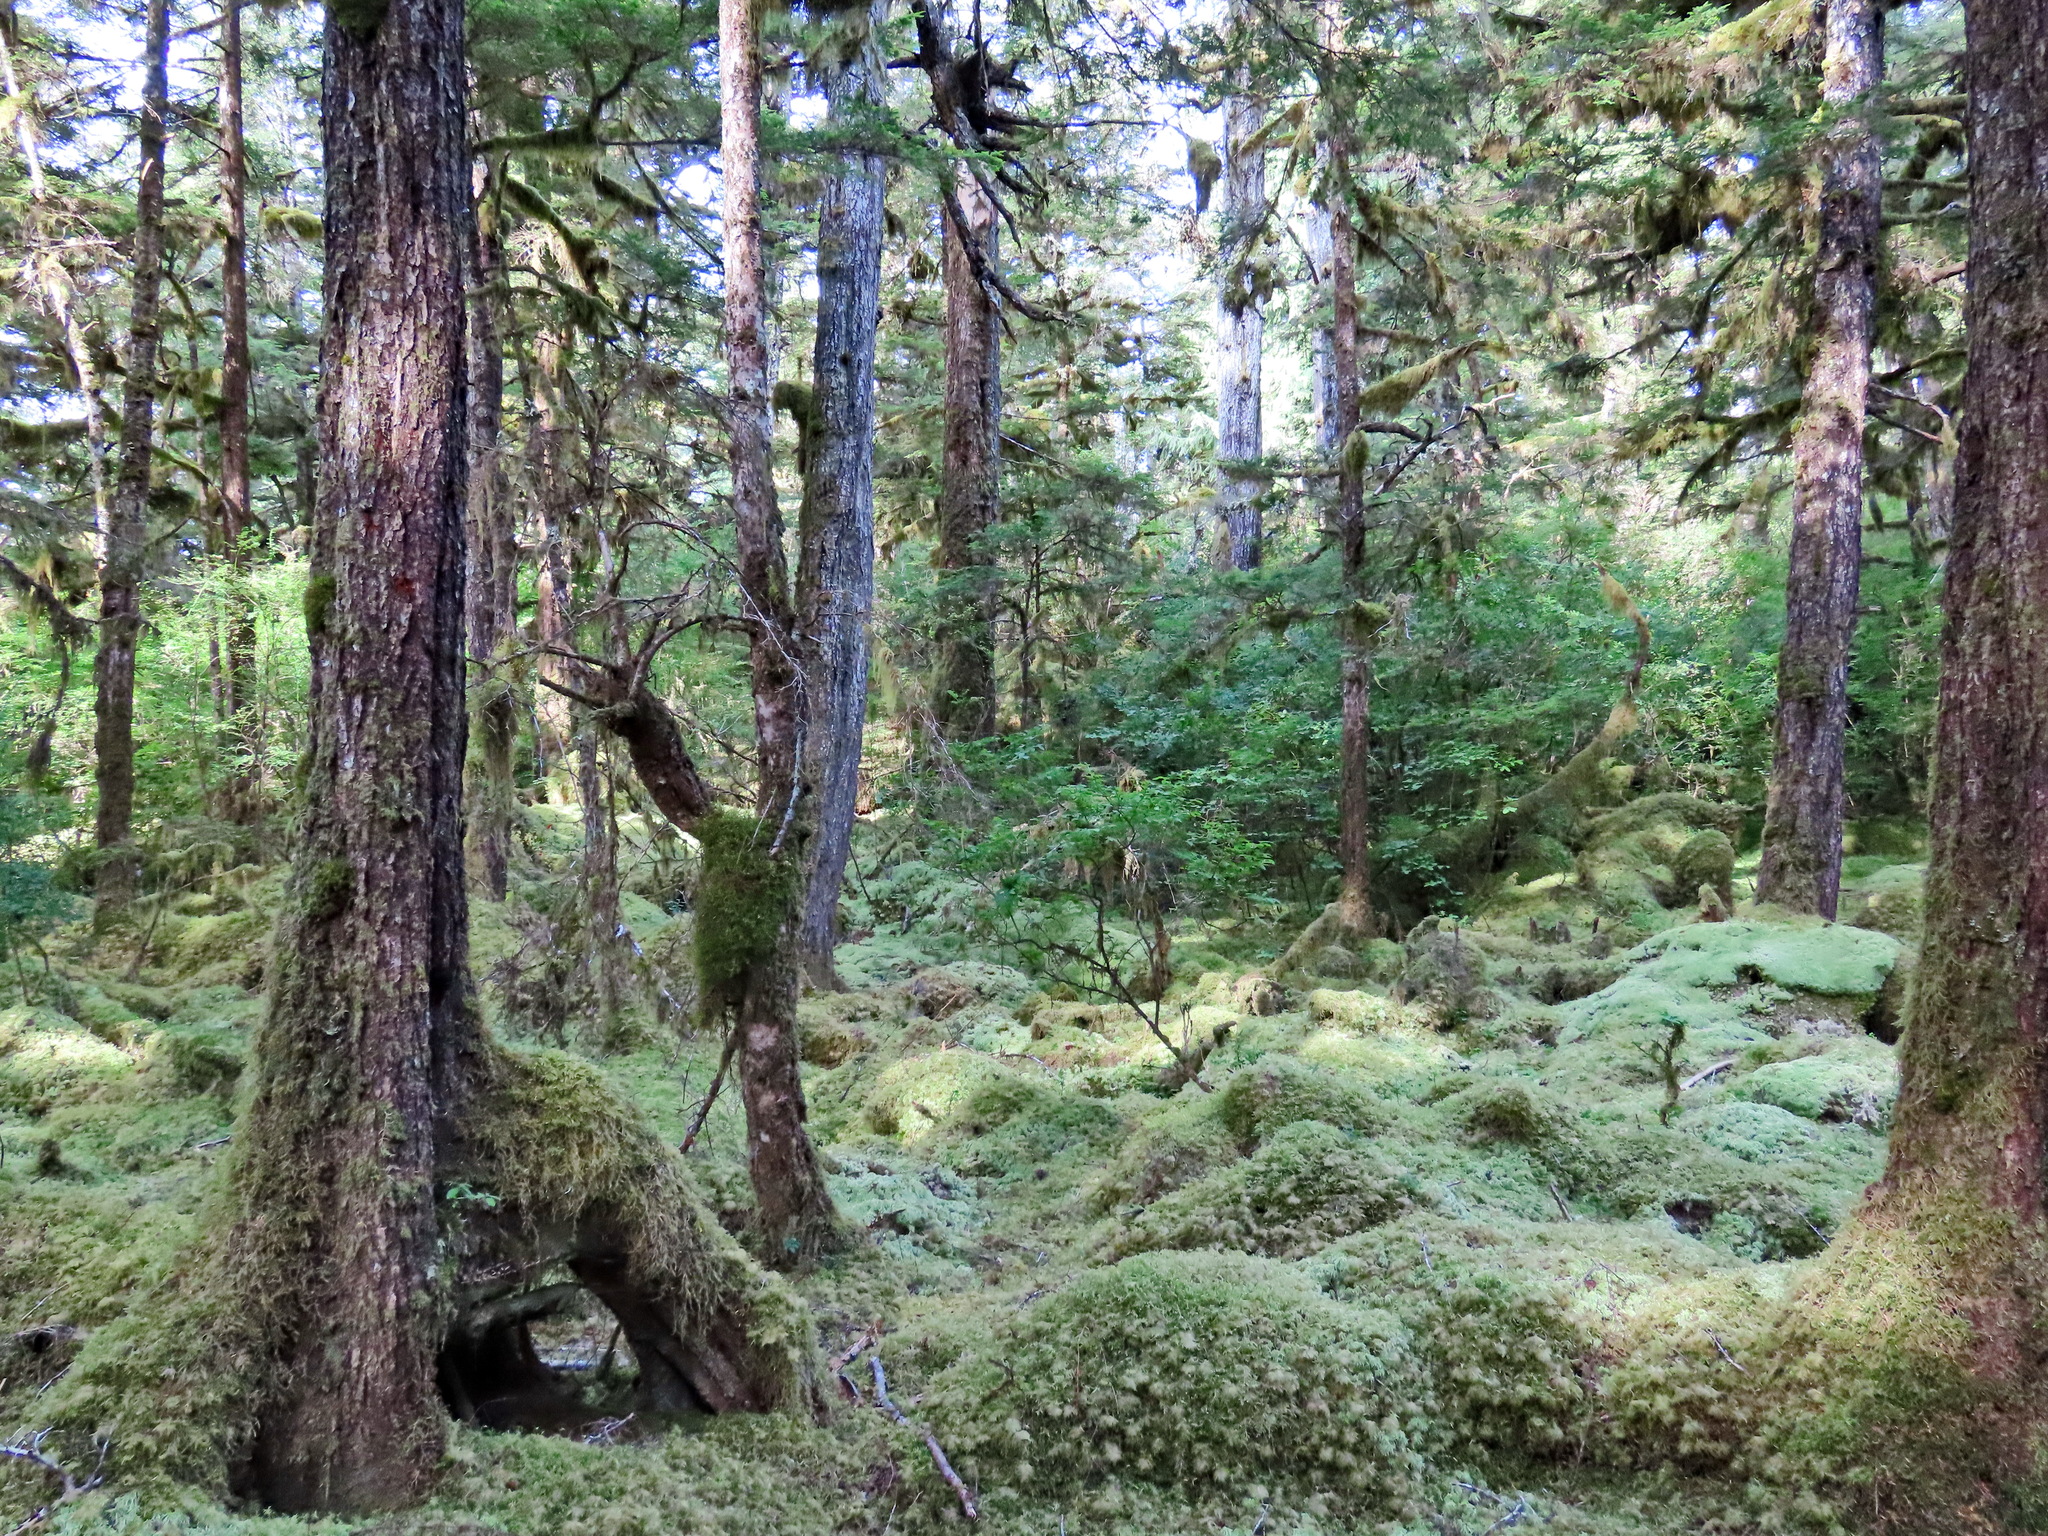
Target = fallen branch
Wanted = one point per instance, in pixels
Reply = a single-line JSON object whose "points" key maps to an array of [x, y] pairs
{"points": [[931, 1442], [29, 1448], [1700, 1077]]}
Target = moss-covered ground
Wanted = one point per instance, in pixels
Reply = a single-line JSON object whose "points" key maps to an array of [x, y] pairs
{"points": [[1508, 1237]]}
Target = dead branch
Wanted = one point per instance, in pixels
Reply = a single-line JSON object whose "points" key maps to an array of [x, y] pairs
{"points": [[967, 1505]]}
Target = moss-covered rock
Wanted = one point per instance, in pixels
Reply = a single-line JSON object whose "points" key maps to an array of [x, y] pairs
{"points": [[1230, 1377], [1279, 1090], [1307, 1186], [1856, 1081]]}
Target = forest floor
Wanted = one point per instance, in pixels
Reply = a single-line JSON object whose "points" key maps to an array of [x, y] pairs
{"points": [[1468, 1234]]}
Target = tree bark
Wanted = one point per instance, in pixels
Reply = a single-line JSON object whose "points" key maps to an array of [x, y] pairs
{"points": [[555, 500], [1966, 1170], [127, 516], [964, 701], [1801, 867], [1240, 340], [369, 1040], [836, 570], [493, 574], [240, 795], [793, 1212], [1354, 785]]}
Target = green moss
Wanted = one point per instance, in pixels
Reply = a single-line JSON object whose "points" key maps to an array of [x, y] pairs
{"points": [[1228, 1377], [317, 602], [1278, 1091], [329, 885], [48, 1060], [1808, 956], [1855, 1081], [743, 899], [1309, 1185]]}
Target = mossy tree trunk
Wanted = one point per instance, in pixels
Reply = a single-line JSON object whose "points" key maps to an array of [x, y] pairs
{"points": [[362, 1060], [792, 1208], [241, 795], [492, 589], [1801, 868], [836, 572], [1240, 337], [122, 539], [969, 501], [1968, 1169], [1356, 629]]}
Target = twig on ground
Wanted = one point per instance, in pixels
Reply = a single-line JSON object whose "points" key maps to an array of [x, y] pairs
{"points": [[1562, 1209], [1700, 1077], [1723, 1348], [931, 1442]]}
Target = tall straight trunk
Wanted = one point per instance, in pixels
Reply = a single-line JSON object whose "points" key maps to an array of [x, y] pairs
{"points": [[493, 577], [1354, 788], [370, 1034], [1967, 1172], [793, 1213], [970, 475], [127, 516], [1801, 868], [1322, 341], [240, 794], [1240, 340], [836, 570], [555, 500]]}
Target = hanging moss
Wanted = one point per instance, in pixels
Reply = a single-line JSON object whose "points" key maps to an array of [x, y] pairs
{"points": [[744, 896]]}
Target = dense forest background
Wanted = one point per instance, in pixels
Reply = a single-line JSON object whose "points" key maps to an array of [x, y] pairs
{"points": [[1241, 695]]}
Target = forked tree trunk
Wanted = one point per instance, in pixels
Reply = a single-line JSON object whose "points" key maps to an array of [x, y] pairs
{"points": [[493, 575], [362, 1058], [1801, 868], [1240, 340], [964, 697], [1966, 1170], [793, 1212], [127, 517], [836, 572], [240, 795], [1354, 786]]}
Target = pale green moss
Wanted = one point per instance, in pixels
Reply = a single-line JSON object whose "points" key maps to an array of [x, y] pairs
{"points": [[1230, 1377]]}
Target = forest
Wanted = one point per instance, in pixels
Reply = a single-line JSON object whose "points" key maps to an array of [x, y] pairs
{"points": [[1256, 767]]}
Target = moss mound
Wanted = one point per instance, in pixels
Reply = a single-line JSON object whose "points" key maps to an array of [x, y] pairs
{"points": [[1230, 1377], [1309, 1185], [1277, 1091]]}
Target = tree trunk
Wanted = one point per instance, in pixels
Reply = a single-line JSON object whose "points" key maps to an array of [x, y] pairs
{"points": [[1801, 867], [1322, 344], [964, 701], [1966, 1169], [600, 875], [836, 573], [240, 795], [493, 577], [792, 1208], [369, 1039], [1354, 788], [1240, 340], [554, 496], [127, 517]]}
